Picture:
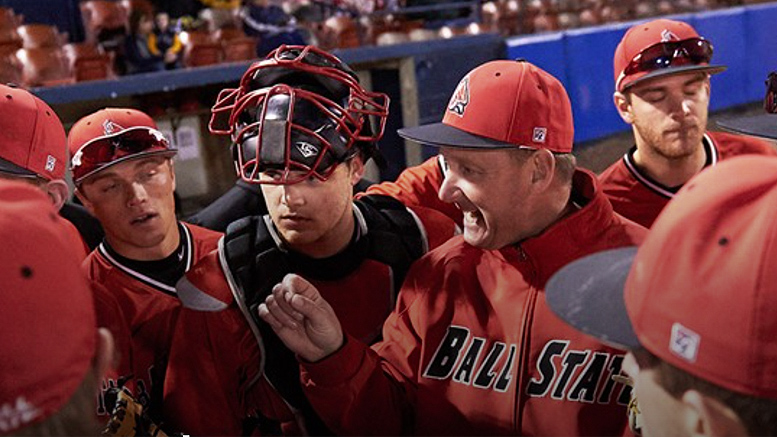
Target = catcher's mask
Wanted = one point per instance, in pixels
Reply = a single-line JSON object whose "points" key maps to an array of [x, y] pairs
{"points": [[299, 112]]}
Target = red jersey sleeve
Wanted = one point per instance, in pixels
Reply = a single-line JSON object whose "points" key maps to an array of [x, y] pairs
{"points": [[419, 186], [362, 391]]}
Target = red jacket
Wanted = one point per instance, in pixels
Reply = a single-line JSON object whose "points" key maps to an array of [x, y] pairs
{"points": [[149, 311], [214, 380], [473, 349], [636, 196], [419, 186]]}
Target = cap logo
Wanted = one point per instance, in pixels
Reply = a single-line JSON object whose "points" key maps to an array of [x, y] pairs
{"points": [[539, 134], [75, 161], [109, 127], [684, 342], [668, 35], [460, 98], [306, 149], [51, 162], [15, 415]]}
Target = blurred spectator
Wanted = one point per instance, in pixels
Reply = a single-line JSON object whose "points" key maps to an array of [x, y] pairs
{"points": [[139, 56], [271, 25], [164, 41]]}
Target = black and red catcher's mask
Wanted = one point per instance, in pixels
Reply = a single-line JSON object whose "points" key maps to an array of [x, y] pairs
{"points": [[299, 112]]}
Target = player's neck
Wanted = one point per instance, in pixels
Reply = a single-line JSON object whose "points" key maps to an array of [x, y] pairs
{"points": [[164, 248], [670, 171]]}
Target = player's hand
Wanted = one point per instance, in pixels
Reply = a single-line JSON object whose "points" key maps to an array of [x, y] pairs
{"points": [[303, 320]]}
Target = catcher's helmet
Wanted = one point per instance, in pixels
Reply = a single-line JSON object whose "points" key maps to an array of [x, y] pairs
{"points": [[299, 111]]}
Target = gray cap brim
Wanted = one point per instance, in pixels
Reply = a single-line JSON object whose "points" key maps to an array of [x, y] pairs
{"points": [[442, 135], [763, 125], [711, 69], [588, 295], [9, 167]]}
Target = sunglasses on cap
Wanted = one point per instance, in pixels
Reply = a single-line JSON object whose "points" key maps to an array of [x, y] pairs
{"points": [[770, 99], [101, 151], [666, 54]]}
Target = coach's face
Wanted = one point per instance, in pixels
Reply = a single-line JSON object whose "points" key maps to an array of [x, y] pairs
{"points": [[135, 205], [493, 189]]}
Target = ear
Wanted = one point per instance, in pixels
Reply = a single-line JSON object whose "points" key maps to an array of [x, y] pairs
{"points": [[623, 105], [707, 416], [58, 192], [104, 356], [543, 168], [356, 166], [84, 200]]}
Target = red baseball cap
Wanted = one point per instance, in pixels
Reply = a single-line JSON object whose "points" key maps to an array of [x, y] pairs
{"points": [[47, 322], [644, 35], [503, 104], [32, 139], [701, 292], [110, 136]]}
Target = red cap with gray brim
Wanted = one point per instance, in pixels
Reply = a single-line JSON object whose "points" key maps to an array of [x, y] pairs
{"points": [[32, 138], [112, 124], [503, 104], [48, 330], [701, 292]]}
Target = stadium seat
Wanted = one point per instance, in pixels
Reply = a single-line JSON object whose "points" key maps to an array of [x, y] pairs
{"points": [[102, 18], [40, 35], [144, 6], [200, 49], [237, 46], [89, 61], [10, 41], [10, 69], [9, 19], [45, 66], [343, 30]]}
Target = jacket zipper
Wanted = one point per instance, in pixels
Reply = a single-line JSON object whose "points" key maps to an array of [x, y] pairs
{"points": [[528, 316]]}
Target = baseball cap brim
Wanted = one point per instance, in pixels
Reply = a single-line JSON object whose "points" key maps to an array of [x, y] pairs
{"points": [[711, 69], [443, 135], [169, 153], [763, 125], [9, 167], [588, 295]]}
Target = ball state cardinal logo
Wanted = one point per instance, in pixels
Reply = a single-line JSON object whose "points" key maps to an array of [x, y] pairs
{"points": [[460, 98]]}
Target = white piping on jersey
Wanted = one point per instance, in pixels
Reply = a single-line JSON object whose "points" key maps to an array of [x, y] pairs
{"points": [[274, 233], [143, 278], [709, 148], [357, 213], [240, 301]]}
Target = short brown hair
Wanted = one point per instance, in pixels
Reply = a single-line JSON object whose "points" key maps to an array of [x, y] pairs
{"points": [[758, 415], [565, 162], [75, 418]]}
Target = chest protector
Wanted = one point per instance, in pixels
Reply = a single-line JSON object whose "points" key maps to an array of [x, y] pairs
{"points": [[387, 232]]}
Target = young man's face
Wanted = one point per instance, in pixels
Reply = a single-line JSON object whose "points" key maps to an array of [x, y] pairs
{"points": [[315, 217], [492, 189], [669, 114], [661, 412], [135, 205]]}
